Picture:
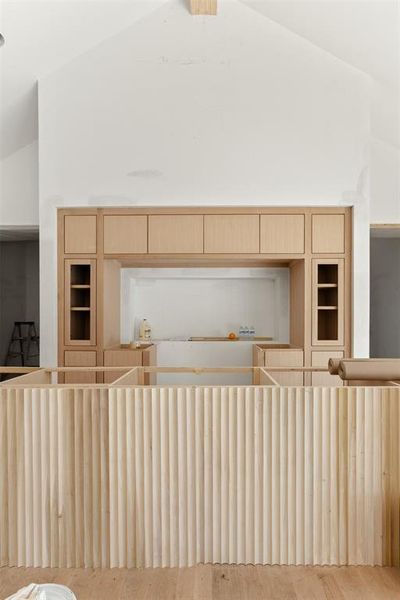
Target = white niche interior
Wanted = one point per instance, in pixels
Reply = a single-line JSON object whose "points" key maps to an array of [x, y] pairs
{"points": [[180, 303]]}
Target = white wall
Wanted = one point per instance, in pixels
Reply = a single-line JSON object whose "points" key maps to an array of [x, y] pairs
{"points": [[178, 110], [205, 302], [385, 154], [19, 188]]}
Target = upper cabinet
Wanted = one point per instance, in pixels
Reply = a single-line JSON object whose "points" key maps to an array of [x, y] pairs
{"points": [[328, 234], [282, 234], [231, 234], [125, 234], [290, 232], [175, 234], [80, 236]]}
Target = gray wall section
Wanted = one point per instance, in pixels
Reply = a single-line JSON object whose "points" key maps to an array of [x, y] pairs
{"points": [[385, 298], [19, 289]]}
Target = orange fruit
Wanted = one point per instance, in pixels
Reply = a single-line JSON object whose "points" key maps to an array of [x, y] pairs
{"points": [[232, 336]]}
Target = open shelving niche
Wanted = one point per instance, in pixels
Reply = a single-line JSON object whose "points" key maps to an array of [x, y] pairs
{"points": [[328, 301], [80, 277]]}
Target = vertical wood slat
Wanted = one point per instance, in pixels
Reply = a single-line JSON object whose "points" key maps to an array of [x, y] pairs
{"points": [[175, 476]]}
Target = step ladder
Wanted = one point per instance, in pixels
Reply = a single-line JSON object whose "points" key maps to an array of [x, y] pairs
{"points": [[24, 343]]}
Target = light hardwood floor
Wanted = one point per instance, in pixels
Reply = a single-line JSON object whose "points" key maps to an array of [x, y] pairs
{"points": [[217, 582]]}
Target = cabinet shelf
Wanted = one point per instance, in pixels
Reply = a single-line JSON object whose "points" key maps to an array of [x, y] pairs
{"points": [[327, 307], [80, 297], [327, 302]]}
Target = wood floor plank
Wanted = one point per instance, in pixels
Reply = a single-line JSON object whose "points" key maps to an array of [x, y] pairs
{"points": [[202, 575], [215, 582]]}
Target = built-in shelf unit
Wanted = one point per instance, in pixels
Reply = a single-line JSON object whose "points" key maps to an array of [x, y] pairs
{"points": [[328, 301], [80, 302]]}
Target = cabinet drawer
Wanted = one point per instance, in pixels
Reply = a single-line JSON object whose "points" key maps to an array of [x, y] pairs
{"points": [[80, 358], [231, 234], [328, 234], [125, 234], [282, 234], [80, 235], [172, 234], [320, 359]]}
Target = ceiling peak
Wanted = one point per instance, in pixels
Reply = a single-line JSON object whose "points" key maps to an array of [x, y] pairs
{"points": [[203, 7]]}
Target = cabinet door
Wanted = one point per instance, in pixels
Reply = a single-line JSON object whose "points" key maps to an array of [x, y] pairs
{"points": [[80, 358], [282, 234], [328, 234], [125, 234], [231, 234], [120, 358], [285, 358], [320, 359], [172, 234], [80, 235]]}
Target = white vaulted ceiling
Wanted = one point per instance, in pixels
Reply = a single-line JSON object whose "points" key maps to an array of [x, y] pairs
{"points": [[41, 36], [363, 33]]}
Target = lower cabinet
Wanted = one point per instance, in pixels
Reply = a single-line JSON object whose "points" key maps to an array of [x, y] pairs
{"points": [[320, 359], [129, 357], [80, 358], [290, 357], [265, 355]]}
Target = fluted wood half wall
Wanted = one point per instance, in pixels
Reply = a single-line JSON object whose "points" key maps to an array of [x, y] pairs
{"points": [[176, 476]]}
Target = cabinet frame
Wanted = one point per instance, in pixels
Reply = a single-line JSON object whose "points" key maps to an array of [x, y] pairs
{"points": [[68, 340], [340, 313]]}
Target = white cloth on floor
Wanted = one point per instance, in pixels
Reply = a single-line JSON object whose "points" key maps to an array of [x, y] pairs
{"points": [[30, 592], [44, 591]]}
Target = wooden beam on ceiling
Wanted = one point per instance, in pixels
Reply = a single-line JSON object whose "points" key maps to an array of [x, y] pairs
{"points": [[203, 7]]}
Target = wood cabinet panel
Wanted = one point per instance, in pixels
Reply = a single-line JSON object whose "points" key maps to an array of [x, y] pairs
{"points": [[120, 358], [80, 358], [173, 234], [328, 233], [285, 358], [80, 234], [282, 234], [125, 234], [231, 234], [320, 359]]}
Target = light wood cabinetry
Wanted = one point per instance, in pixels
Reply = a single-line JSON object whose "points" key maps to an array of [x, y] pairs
{"points": [[277, 355], [175, 234], [95, 243], [80, 302], [80, 234], [231, 234], [285, 358], [282, 234], [125, 234], [320, 359], [328, 302], [80, 358], [127, 357], [328, 234]]}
